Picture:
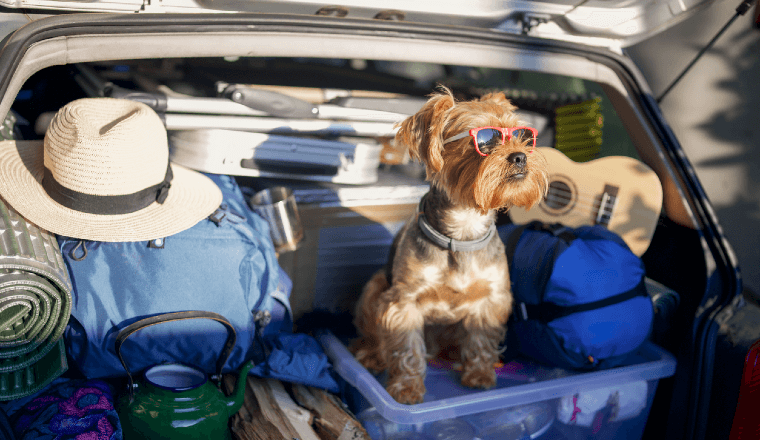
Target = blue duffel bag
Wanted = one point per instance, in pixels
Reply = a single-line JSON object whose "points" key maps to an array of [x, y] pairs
{"points": [[224, 264], [580, 301]]}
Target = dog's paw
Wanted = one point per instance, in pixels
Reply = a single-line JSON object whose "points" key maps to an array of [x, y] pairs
{"points": [[370, 360], [409, 391], [479, 378]]}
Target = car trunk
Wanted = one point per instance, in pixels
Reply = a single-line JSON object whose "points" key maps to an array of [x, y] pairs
{"points": [[348, 224]]}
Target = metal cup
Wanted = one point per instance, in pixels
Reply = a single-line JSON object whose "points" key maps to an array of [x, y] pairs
{"points": [[277, 206]]}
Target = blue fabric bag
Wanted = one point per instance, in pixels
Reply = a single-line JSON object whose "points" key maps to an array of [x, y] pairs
{"points": [[580, 297], [225, 264], [299, 358]]}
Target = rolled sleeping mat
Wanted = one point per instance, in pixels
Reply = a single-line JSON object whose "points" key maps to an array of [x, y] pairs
{"points": [[35, 305]]}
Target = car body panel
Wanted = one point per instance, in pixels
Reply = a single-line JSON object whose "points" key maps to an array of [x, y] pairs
{"points": [[688, 241], [617, 23]]}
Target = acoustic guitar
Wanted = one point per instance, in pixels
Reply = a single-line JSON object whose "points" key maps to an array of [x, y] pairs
{"points": [[620, 193]]}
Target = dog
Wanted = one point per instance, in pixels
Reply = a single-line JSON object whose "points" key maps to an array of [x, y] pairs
{"points": [[446, 285]]}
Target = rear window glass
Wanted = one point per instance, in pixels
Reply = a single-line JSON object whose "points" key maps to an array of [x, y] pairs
{"points": [[571, 114]]}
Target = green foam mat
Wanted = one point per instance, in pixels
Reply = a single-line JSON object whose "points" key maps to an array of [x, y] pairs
{"points": [[28, 380], [35, 306]]}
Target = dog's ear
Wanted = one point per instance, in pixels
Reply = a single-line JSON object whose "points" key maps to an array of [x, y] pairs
{"points": [[422, 132]]}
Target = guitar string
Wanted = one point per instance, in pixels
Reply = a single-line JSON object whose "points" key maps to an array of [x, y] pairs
{"points": [[593, 211], [583, 202], [564, 202], [581, 215], [582, 195], [568, 194], [560, 195], [594, 208], [587, 214]]}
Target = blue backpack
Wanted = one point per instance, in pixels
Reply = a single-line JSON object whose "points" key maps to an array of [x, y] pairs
{"points": [[225, 264], [580, 301]]}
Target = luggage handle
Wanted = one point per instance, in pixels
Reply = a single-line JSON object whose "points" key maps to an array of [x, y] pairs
{"points": [[156, 101], [229, 344], [274, 103]]}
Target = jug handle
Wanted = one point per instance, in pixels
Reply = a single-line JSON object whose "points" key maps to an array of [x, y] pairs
{"points": [[229, 344]]}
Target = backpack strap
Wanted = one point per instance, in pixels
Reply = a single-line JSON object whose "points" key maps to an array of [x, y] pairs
{"points": [[510, 244], [560, 231], [547, 312], [541, 278]]}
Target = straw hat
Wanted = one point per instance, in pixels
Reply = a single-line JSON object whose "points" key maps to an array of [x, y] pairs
{"points": [[102, 173]]}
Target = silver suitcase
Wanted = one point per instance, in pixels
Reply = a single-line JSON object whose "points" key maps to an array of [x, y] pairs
{"points": [[242, 153]]}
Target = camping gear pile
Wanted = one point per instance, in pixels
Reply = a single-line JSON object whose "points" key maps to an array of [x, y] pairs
{"points": [[134, 241], [163, 276]]}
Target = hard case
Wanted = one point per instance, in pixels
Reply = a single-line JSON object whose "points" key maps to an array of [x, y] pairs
{"points": [[242, 153]]}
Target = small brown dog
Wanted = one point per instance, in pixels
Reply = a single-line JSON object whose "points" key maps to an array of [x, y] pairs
{"points": [[446, 285]]}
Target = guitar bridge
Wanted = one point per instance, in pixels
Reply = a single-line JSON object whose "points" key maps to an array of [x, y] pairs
{"points": [[606, 205]]}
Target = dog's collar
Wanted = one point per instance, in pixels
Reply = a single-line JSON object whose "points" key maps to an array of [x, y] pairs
{"points": [[449, 243]]}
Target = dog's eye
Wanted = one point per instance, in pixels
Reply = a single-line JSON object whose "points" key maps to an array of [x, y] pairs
{"points": [[488, 139], [522, 135]]}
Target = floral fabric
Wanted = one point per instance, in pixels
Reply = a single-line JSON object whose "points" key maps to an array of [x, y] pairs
{"points": [[71, 410]]}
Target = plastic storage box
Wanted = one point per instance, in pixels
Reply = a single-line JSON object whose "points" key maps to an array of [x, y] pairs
{"points": [[348, 231], [529, 401]]}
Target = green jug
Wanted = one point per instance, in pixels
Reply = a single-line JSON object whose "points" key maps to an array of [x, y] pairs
{"points": [[178, 401]]}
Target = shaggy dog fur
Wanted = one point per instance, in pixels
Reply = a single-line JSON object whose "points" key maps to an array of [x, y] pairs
{"points": [[429, 298]]}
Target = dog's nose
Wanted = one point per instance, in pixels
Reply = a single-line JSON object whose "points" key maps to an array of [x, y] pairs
{"points": [[517, 159]]}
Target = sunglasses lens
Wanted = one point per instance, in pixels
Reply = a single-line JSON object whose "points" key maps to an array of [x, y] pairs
{"points": [[487, 139], [522, 134]]}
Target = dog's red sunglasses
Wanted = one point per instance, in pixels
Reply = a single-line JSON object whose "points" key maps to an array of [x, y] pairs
{"points": [[485, 138]]}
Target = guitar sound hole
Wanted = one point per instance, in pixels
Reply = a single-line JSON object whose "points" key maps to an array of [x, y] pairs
{"points": [[559, 196]]}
